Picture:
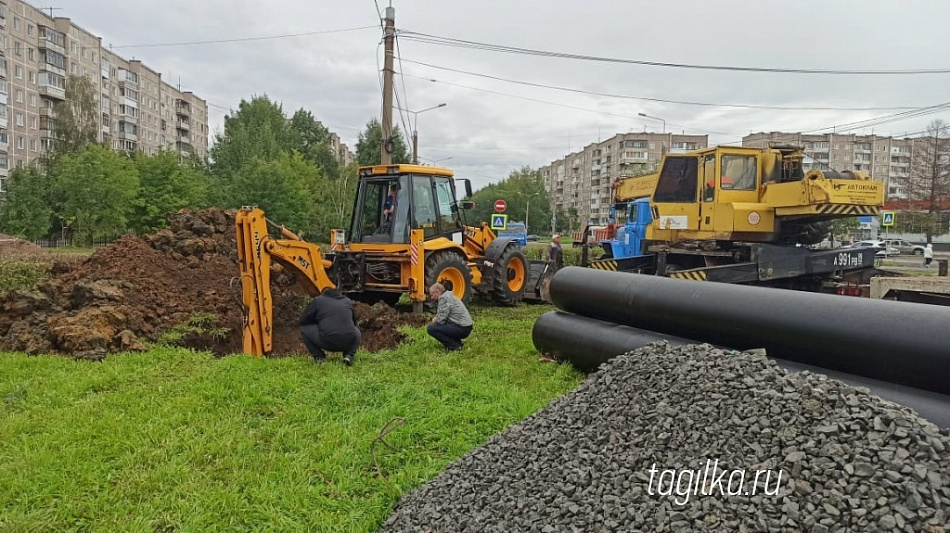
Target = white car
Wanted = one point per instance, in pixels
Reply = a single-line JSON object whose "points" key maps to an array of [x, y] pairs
{"points": [[877, 245], [906, 247]]}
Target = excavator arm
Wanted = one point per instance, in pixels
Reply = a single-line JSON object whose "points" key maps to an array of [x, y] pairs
{"points": [[256, 250]]}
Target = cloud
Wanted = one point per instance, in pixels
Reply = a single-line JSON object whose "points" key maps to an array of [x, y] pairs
{"points": [[490, 128]]}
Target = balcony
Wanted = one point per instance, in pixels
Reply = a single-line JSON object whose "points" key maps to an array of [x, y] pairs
{"points": [[184, 125], [595, 168], [182, 108], [52, 92], [4, 143], [126, 136], [50, 39]]}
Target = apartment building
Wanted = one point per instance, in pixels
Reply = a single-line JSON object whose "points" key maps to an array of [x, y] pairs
{"points": [[139, 110], [582, 181], [886, 159]]}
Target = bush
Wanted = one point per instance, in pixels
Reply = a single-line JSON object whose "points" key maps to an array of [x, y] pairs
{"points": [[572, 256], [17, 273]]}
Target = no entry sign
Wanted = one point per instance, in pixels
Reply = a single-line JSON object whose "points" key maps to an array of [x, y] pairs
{"points": [[500, 205]]}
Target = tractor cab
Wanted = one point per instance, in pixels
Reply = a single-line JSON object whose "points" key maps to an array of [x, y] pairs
{"points": [[394, 199]]}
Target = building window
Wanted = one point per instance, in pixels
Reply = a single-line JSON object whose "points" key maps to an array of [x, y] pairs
{"points": [[19, 120], [31, 54], [33, 145], [34, 123], [20, 143], [19, 95], [30, 29], [16, 23], [32, 77], [17, 48]]}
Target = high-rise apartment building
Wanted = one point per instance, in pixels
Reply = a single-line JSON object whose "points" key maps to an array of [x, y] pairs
{"points": [[582, 182], [886, 159], [139, 111]]}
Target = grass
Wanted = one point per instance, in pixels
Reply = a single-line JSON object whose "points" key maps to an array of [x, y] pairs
{"points": [[173, 440], [21, 273]]}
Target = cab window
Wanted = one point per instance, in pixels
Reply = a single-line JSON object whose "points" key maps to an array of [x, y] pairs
{"points": [[448, 222], [677, 181], [423, 203], [738, 173]]}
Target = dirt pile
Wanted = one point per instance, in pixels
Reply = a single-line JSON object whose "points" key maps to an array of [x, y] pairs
{"points": [[173, 285], [15, 247]]}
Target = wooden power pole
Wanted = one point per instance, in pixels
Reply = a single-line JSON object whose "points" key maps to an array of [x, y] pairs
{"points": [[386, 155]]}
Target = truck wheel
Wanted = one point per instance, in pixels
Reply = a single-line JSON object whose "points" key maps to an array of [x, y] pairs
{"points": [[449, 269], [510, 277]]}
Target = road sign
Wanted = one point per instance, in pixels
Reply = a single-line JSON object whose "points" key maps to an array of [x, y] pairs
{"points": [[887, 218], [499, 221], [501, 205]]}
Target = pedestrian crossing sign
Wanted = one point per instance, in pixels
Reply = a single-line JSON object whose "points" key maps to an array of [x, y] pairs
{"points": [[499, 222], [887, 218]]}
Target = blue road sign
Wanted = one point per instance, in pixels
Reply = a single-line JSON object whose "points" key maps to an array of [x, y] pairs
{"points": [[887, 218], [499, 221]]}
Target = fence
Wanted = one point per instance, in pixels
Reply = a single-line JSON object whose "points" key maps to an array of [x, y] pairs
{"points": [[67, 242]]}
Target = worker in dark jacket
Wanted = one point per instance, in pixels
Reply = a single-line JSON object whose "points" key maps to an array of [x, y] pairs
{"points": [[329, 323], [555, 254], [452, 322]]}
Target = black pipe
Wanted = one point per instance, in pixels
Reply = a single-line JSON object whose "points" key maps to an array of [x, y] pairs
{"points": [[587, 343], [898, 342]]}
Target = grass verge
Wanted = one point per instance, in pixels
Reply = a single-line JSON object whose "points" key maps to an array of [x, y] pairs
{"points": [[172, 440]]}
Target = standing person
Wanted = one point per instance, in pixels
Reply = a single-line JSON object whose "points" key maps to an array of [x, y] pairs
{"points": [[555, 254], [928, 255], [452, 322], [329, 323]]}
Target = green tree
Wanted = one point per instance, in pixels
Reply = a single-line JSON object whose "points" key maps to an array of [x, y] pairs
{"points": [[313, 141], [844, 227], [76, 119], [99, 190], [523, 191], [25, 210], [166, 185], [286, 189], [928, 186], [370, 141], [259, 130]]}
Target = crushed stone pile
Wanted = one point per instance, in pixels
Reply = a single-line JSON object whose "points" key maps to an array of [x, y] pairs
{"points": [[849, 461], [137, 290]]}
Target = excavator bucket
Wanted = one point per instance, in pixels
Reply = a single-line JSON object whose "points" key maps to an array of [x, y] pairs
{"points": [[539, 280]]}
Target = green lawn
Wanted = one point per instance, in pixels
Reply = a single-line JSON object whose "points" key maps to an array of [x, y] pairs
{"points": [[173, 440]]}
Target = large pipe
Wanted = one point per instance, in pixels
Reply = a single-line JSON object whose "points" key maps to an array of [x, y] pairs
{"points": [[587, 343], [897, 342]]}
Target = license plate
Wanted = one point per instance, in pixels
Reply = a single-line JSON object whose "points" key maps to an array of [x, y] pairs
{"points": [[849, 259]]}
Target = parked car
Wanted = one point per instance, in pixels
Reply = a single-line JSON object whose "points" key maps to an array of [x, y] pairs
{"points": [[877, 245], [906, 247], [533, 238]]}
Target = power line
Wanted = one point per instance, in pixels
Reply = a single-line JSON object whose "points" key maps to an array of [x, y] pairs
{"points": [[243, 39], [476, 45], [649, 99]]}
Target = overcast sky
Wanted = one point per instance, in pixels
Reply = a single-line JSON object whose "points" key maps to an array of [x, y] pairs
{"points": [[490, 127]]}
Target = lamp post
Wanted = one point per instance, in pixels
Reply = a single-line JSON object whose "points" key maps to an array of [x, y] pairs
{"points": [[527, 210], [415, 132], [655, 118]]}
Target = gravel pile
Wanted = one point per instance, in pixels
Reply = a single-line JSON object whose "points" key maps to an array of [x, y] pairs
{"points": [[848, 460]]}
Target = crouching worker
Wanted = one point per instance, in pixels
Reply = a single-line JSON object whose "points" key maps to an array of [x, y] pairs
{"points": [[451, 323], [329, 323]]}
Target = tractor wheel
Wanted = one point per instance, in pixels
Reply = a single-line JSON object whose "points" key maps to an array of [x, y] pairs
{"points": [[510, 277], [451, 270]]}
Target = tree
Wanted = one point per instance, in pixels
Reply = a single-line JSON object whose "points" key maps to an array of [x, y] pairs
{"points": [[520, 188], [287, 189], [844, 226], [77, 117], [369, 145], [928, 187], [166, 185], [99, 190], [257, 130], [312, 140], [25, 210]]}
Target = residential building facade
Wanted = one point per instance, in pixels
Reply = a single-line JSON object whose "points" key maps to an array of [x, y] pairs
{"points": [[582, 182], [886, 159], [139, 111]]}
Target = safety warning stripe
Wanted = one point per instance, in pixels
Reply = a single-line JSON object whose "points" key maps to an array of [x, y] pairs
{"points": [[833, 209], [695, 276], [604, 265], [414, 254]]}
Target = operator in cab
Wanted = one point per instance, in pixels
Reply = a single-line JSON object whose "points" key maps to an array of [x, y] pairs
{"points": [[329, 324]]}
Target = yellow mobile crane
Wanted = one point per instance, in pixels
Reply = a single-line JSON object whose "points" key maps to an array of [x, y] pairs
{"points": [[738, 215]]}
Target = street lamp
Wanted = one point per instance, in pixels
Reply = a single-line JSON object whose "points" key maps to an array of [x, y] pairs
{"points": [[434, 161], [527, 210], [655, 118], [415, 132]]}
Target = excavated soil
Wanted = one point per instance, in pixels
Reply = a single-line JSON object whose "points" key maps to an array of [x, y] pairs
{"points": [[14, 246], [138, 290]]}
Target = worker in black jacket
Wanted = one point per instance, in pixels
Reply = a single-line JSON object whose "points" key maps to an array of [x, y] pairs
{"points": [[329, 323]]}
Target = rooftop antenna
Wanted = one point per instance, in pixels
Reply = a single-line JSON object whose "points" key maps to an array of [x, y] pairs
{"points": [[50, 9]]}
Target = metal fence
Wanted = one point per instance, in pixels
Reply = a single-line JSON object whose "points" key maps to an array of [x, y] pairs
{"points": [[68, 242]]}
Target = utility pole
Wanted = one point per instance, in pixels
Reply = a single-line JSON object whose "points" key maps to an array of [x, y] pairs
{"points": [[415, 147], [386, 155]]}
